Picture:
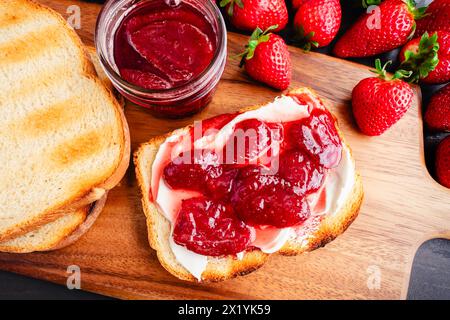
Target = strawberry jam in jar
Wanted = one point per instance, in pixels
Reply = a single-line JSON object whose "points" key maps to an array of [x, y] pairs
{"points": [[165, 55]]}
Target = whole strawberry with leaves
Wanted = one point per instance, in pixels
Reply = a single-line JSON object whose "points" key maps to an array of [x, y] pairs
{"points": [[251, 14], [317, 22], [437, 18], [267, 59], [387, 27], [379, 102], [437, 116], [443, 162], [428, 57]]}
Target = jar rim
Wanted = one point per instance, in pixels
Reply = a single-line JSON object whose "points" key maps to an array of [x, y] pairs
{"points": [[184, 89]]}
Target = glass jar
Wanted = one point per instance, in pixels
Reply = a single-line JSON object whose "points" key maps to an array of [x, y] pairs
{"points": [[175, 102]]}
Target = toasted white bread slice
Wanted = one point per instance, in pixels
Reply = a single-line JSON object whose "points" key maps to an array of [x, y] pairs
{"points": [[223, 268], [64, 139], [47, 236], [74, 223], [58, 234]]}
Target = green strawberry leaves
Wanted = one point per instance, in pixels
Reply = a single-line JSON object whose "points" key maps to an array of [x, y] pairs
{"points": [[425, 60], [368, 3], [382, 73], [224, 3], [304, 40], [258, 36], [418, 13]]}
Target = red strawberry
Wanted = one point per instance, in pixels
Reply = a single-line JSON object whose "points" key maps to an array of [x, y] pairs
{"points": [[443, 162], [428, 58], [267, 59], [317, 22], [370, 36], [437, 115], [251, 14], [297, 3], [437, 18], [378, 103]]}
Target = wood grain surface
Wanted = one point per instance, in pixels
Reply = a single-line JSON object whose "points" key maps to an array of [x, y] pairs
{"points": [[403, 205]]}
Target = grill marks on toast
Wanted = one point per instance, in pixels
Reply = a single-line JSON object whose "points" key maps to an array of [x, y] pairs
{"points": [[62, 133], [80, 148], [11, 19], [31, 45], [25, 85], [42, 122]]}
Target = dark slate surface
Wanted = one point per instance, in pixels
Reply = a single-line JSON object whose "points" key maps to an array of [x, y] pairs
{"points": [[430, 277]]}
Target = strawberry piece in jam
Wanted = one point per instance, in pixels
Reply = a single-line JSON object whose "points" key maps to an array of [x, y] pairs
{"points": [[145, 18], [182, 175], [153, 40], [201, 173], [301, 171], [220, 180], [251, 142], [145, 80], [210, 228], [317, 135], [267, 200]]}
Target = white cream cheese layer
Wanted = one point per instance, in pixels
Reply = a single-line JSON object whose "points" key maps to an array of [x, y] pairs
{"points": [[337, 187]]}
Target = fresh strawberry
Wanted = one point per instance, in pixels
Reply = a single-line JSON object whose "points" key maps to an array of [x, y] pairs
{"points": [[317, 22], [251, 14], [437, 116], [428, 57], [297, 3], [267, 59], [443, 162], [379, 102], [383, 29], [437, 18]]}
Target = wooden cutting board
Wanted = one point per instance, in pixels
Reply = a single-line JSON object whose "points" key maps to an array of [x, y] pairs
{"points": [[403, 205]]}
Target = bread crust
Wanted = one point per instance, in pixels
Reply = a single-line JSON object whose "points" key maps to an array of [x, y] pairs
{"points": [[219, 269], [85, 195], [67, 234], [94, 212]]}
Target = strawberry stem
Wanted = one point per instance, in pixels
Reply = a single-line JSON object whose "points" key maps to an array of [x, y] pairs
{"points": [[303, 40], [418, 13], [382, 73], [258, 36], [224, 3], [368, 3], [425, 60]]}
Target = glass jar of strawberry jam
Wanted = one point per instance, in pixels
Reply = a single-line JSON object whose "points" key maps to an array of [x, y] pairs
{"points": [[165, 55]]}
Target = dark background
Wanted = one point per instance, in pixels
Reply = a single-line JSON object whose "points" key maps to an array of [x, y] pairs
{"points": [[430, 277]]}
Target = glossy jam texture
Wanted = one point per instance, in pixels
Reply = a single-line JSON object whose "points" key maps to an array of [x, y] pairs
{"points": [[161, 47], [243, 193]]}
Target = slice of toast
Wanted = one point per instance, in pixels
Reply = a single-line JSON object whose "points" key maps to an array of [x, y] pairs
{"points": [[64, 139], [74, 223], [48, 235], [218, 269], [58, 234]]}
